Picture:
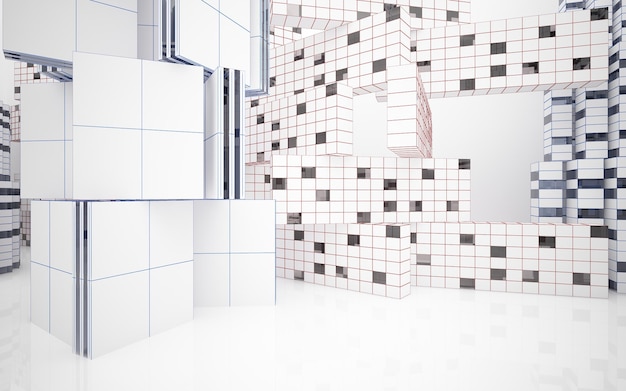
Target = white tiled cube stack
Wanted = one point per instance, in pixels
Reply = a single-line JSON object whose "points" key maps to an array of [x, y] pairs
{"points": [[565, 50], [369, 258], [547, 185], [9, 199], [336, 189], [315, 122], [552, 259]]}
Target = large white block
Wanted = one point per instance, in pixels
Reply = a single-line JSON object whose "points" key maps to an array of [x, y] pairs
{"points": [[107, 91], [107, 27], [173, 97], [119, 238], [63, 235], [197, 19], [119, 311], [106, 163], [171, 296], [172, 165], [171, 232], [211, 279], [62, 305], [210, 226], [40, 232], [40, 28], [252, 226], [234, 46], [40, 296], [42, 109], [238, 11], [43, 167], [252, 279]]}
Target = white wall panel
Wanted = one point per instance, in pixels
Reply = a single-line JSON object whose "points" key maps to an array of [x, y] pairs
{"points": [[171, 232], [252, 279], [63, 236], [210, 226], [103, 27], [171, 296], [211, 280], [40, 239], [39, 296], [252, 226], [61, 305]]}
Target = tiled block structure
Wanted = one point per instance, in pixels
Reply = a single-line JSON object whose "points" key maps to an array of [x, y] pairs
{"points": [[369, 258], [135, 269], [552, 259], [9, 199], [547, 187], [324, 15], [77, 135], [234, 252], [315, 122], [349, 190], [358, 52], [583, 130], [556, 51]]}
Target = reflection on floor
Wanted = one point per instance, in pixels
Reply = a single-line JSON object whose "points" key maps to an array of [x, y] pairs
{"points": [[319, 338]]}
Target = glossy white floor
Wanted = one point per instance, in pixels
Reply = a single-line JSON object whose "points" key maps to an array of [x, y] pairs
{"points": [[320, 338]]}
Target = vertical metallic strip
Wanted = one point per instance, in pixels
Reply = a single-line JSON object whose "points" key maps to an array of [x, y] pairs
{"points": [[164, 40], [231, 134], [85, 277], [173, 29], [226, 118], [77, 317], [237, 85]]}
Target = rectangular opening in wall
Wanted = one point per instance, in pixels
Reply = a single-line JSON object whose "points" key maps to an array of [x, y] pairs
{"points": [[581, 278], [298, 55], [390, 184], [422, 259], [393, 231], [331, 89], [498, 48], [530, 276], [267, 179], [275, 145], [528, 68], [320, 138], [363, 173], [547, 31], [354, 240], [341, 74], [498, 252], [413, 237], [498, 70], [354, 37], [319, 58], [452, 16], [298, 235], [341, 271], [452, 206], [301, 108], [591, 213], [379, 65], [599, 231], [319, 268], [260, 119], [379, 278], [423, 66], [298, 275], [276, 125], [363, 217], [319, 247], [464, 164], [596, 94], [467, 239], [292, 142], [362, 15], [318, 80], [390, 206], [415, 206], [467, 84], [498, 274], [392, 13], [428, 173], [294, 218], [468, 283], [581, 63], [467, 40], [279, 183], [308, 172], [547, 242], [322, 195], [415, 12], [260, 157]]}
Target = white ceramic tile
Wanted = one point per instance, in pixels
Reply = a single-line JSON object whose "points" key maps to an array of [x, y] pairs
{"points": [[211, 226], [107, 91], [252, 279], [40, 232], [172, 165], [252, 226], [119, 238], [171, 232], [197, 19], [63, 235], [62, 306], [42, 169], [106, 163], [163, 86], [42, 111], [93, 27], [120, 309], [211, 276], [171, 296], [40, 296]]}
